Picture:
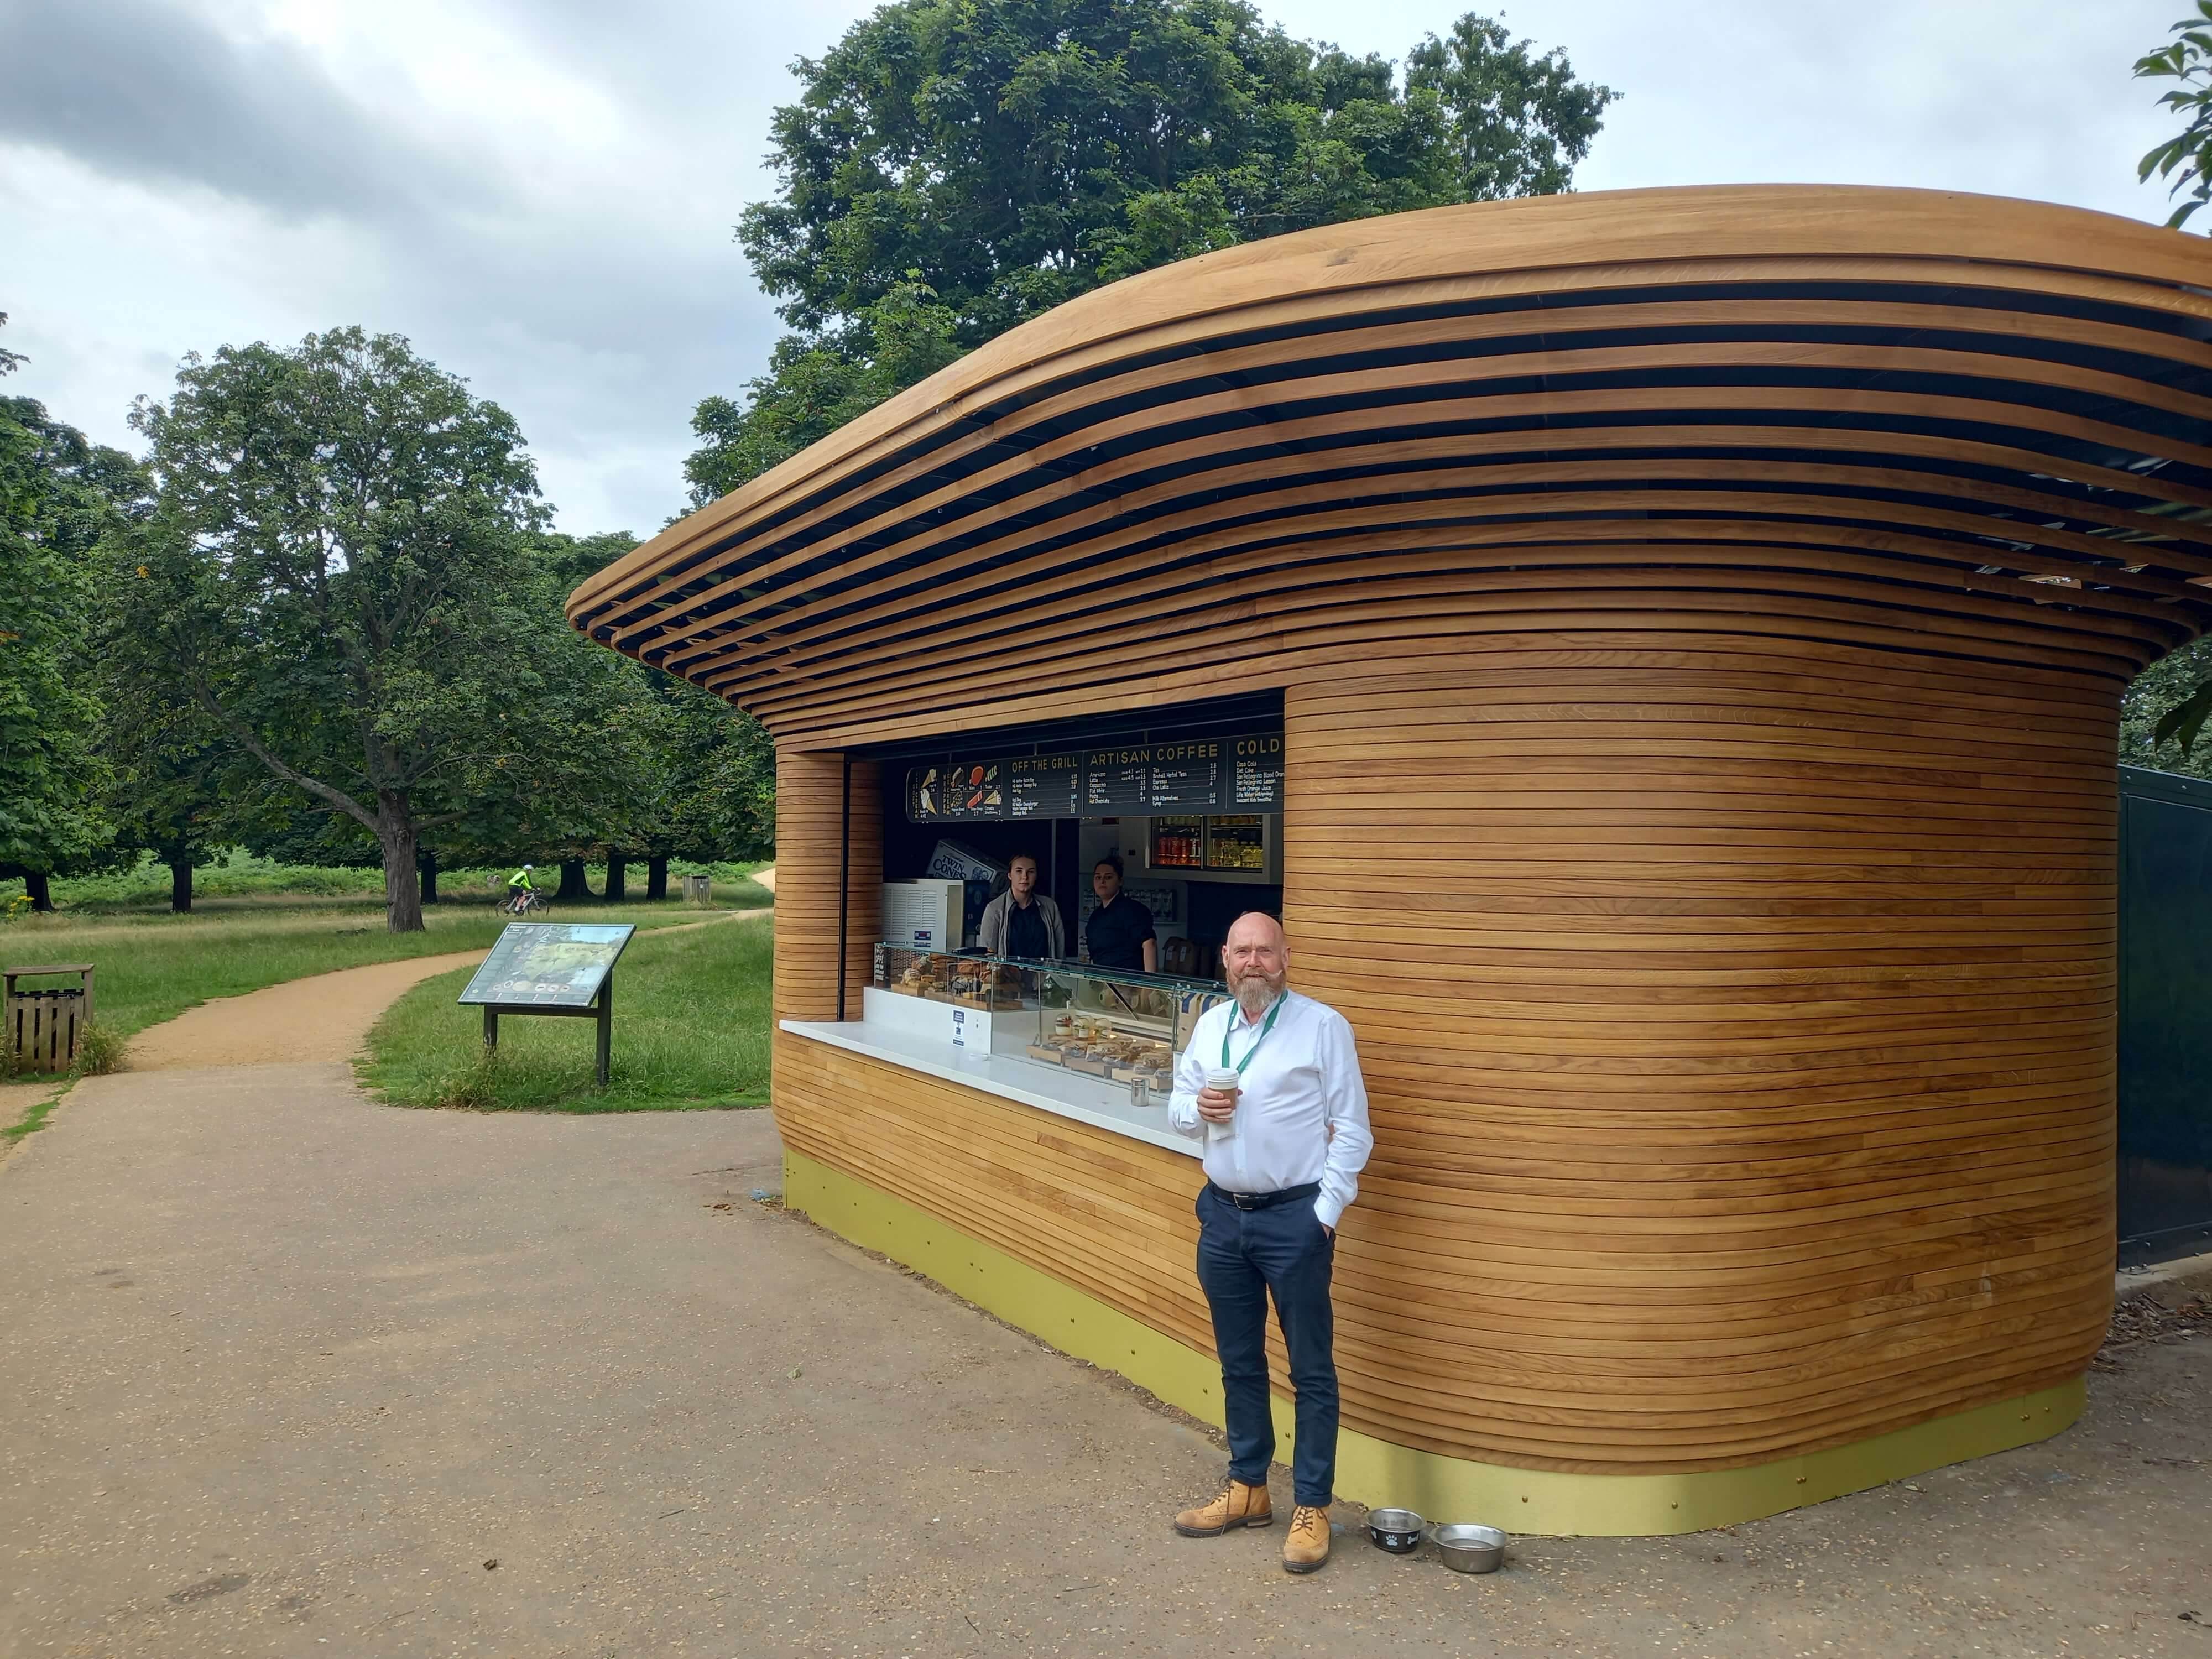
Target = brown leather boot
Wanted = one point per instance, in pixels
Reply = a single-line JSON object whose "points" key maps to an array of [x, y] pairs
{"points": [[1307, 1546], [1239, 1505]]}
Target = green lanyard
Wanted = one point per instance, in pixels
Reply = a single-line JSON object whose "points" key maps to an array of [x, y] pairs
{"points": [[1227, 1030]]}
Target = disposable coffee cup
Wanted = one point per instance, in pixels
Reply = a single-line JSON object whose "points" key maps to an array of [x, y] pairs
{"points": [[1226, 1080]]}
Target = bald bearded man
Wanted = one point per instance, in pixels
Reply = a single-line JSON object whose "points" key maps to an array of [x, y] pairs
{"points": [[1276, 1184]]}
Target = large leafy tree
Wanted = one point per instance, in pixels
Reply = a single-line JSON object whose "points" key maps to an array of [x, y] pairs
{"points": [[59, 495], [340, 572], [2169, 704], [953, 168]]}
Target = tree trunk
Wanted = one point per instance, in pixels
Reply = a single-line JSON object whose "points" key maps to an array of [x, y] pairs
{"points": [[574, 890], [180, 884], [34, 884], [395, 832], [427, 863], [618, 880], [656, 877]]}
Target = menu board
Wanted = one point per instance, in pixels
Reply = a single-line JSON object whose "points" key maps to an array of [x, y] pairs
{"points": [[1184, 776], [1255, 772], [1241, 773], [976, 789], [924, 794], [1045, 787], [1116, 780], [558, 964]]}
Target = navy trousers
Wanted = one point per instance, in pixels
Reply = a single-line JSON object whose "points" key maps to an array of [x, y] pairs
{"points": [[1243, 1257]]}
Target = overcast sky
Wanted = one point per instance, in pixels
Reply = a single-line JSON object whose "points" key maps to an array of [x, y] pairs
{"points": [[540, 193]]}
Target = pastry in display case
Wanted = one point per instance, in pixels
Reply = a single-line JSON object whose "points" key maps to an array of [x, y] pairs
{"points": [[1125, 1028], [938, 977]]}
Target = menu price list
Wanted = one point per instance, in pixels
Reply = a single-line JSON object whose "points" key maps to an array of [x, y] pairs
{"points": [[1255, 775], [1184, 775], [1044, 786], [1113, 780]]}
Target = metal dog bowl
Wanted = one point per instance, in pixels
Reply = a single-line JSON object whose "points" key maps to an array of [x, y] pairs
{"points": [[1398, 1531], [1469, 1549]]}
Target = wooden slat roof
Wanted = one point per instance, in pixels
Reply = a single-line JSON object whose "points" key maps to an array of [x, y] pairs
{"points": [[1988, 422]]}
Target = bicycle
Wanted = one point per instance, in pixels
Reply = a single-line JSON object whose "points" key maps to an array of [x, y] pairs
{"points": [[521, 903]]}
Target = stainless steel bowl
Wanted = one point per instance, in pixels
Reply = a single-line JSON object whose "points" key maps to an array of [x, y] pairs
{"points": [[1398, 1531], [1469, 1549]]}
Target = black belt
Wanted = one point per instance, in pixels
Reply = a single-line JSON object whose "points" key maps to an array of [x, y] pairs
{"points": [[1265, 1200]]}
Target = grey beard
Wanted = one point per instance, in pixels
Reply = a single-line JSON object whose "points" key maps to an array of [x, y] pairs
{"points": [[1254, 995]]}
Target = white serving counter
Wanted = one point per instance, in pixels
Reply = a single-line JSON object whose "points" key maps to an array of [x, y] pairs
{"points": [[942, 1040]]}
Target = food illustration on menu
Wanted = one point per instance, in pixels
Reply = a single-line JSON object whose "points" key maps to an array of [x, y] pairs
{"points": [[976, 789]]}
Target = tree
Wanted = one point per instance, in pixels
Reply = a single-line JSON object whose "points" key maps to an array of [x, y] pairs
{"points": [[2187, 158], [953, 168], [339, 573], [690, 770], [2173, 698], [2155, 724], [58, 496], [712, 782], [168, 796]]}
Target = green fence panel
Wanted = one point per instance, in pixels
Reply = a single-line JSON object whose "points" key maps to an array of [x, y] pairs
{"points": [[2165, 1015]]}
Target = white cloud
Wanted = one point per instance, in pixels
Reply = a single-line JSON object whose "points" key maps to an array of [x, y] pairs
{"points": [[540, 193]]}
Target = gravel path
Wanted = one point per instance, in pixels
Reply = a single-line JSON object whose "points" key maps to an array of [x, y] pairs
{"points": [[323, 1017], [287, 1370]]}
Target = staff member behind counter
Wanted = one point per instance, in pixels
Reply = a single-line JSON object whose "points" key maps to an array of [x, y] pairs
{"points": [[1120, 931], [1022, 922]]}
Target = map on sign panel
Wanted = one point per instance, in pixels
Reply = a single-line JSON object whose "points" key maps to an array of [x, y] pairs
{"points": [[548, 964]]}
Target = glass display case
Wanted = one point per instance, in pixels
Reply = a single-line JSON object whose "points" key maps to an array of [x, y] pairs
{"points": [[1122, 1027]]}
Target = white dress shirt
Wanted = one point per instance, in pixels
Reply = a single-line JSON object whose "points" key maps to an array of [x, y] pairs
{"points": [[1302, 1108]]}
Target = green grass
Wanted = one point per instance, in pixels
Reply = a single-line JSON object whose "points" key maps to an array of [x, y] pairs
{"points": [[33, 1119], [240, 875], [152, 967], [691, 1034]]}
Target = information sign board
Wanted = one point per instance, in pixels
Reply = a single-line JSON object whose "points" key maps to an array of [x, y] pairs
{"points": [[548, 964]]}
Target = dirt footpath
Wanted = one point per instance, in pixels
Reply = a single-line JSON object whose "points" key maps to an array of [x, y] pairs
{"points": [[324, 1017]]}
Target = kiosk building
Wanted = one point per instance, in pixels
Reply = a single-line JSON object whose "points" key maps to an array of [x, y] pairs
{"points": [[1663, 653]]}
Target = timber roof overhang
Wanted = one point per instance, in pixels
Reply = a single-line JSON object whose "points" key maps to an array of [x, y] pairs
{"points": [[1976, 413]]}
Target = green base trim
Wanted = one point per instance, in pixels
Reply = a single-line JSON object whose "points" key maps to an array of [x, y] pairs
{"points": [[1376, 1472]]}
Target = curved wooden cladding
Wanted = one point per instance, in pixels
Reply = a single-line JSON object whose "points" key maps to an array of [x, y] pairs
{"points": [[1947, 422], [1701, 618], [811, 839], [1739, 1034]]}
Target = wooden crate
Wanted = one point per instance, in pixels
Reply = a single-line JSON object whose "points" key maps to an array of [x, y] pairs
{"points": [[43, 1026]]}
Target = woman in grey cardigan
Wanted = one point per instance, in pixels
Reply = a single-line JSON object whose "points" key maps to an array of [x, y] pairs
{"points": [[1022, 922]]}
